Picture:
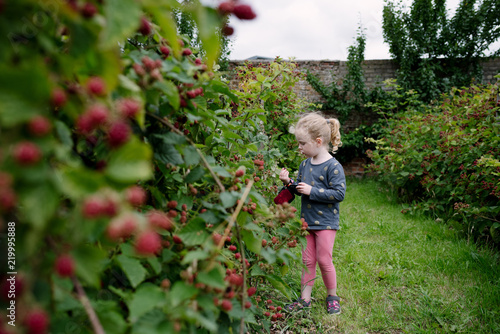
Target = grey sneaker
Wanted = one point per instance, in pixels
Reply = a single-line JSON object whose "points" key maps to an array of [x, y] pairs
{"points": [[333, 304], [297, 305]]}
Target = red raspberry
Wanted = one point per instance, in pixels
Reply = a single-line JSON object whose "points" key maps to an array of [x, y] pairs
{"points": [[148, 243], [65, 266], [226, 7], [191, 94], [139, 70], [128, 107], [119, 134], [232, 248], [248, 304], [275, 240], [240, 173], [93, 207], [160, 220], [264, 242], [187, 52], [88, 10], [237, 255], [244, 12], [8, 199], [278, 308], [96, 86], [27, 153], [226, 305], [236, 279], [267, 314], [251, 291], [184, 207], [269, 301], [172, 204], [274, 317], [58, 97], [39, 126], [227, 30], [145, 28], [172, 213], [197, 61], [216, 237], [37, 322], [165, 50], [177, 239], [84, 124], [122, 227], [97, 115], [135, 195], [149, 64]]}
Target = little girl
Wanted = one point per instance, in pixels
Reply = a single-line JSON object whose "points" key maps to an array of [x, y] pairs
{"points": [[321, 184]]}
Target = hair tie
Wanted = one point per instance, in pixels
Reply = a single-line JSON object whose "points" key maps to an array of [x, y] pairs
{"points": [[327, 121]]}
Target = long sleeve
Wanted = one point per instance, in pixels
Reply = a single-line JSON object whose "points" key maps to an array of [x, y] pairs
{"points": [[335, 190]]}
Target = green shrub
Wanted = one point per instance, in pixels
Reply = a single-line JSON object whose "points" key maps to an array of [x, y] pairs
{"points": [[444, 159]]}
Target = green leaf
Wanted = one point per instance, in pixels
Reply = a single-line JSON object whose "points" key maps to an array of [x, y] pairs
{"points": [[37, 211], [89, 263], [155, 264], [228, 199], [111, 319], [191, 156], [78, 182], [132, 268], [130, 163], [122, 20], [195, 174], [195, 255], [170, 90], [252, 242], [278, 283], [194, 232], [213, 278], [180, 292], [147, 297]]}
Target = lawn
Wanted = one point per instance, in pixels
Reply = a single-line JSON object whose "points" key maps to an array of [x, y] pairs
{"points": [[402, 274]]}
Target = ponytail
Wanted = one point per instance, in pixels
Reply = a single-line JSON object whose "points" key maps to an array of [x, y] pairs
{"points": [[335, 133]]}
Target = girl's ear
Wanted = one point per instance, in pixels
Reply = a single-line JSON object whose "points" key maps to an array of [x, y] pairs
{"points": [[319, 141]]}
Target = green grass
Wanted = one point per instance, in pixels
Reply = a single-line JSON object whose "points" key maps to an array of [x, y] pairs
{"points": [[402, 274]]}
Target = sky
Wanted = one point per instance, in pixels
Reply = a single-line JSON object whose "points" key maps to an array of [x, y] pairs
{"points": [[311, 29]]}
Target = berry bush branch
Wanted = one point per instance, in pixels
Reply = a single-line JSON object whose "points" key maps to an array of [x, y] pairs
{"points": [[82, 297], [202, 156]]}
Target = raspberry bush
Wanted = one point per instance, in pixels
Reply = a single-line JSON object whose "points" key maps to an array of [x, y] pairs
{"points": [[141, 203], [444, 158]]}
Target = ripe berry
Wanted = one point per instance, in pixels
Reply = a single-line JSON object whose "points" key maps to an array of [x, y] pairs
{"points": [[244, 12], [264, 242], [172, 204], [237, 256], [139, 70], [39, 126], [165, 50], [84, 124], [187, 52], [93, 207], [145, 28], [176, 239], [197, 61], [8, 199], [97, 115], [267, 314], [248, 304], [239, 173], [226, 305], [160, 220], [227, 30], [96, 86], [88, 10], [216, 237], [65, 266], [128, 107], [251, 291], [149, 64], [27, 153], [119, 134], [58, 97], [37, 322], [232, 248], [148, 243], [226, 7], [135, 195]]}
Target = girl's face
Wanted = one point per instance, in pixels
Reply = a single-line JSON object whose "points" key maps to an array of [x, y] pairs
{"points": [[307, 146]]}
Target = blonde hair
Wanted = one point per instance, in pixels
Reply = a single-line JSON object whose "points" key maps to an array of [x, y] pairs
{"points": [[317, 126]]}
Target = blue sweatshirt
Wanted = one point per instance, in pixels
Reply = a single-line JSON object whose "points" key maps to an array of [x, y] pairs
{"points": [[321, 208]]}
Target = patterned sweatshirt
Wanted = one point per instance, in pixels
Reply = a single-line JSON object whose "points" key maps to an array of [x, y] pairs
{"points": [[320, 209]]}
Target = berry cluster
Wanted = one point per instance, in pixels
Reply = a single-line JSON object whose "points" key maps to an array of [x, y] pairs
{"points": [[241, 11]]}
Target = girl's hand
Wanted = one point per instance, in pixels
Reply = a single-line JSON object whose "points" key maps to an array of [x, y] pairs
{"points": [[284, 176], [304, 188]]}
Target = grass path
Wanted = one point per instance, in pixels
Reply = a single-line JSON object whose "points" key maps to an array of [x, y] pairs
{"points": [[404, 274]]}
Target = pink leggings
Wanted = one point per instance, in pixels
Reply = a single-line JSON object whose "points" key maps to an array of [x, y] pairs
{"points": [[319, 250]]}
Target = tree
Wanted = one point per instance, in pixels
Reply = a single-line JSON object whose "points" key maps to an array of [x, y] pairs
{"points": [[435, 52]]}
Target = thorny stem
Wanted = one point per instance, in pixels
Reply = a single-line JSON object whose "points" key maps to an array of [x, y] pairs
{"points": [[202, 156], [244, 290], [94, 320]]}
